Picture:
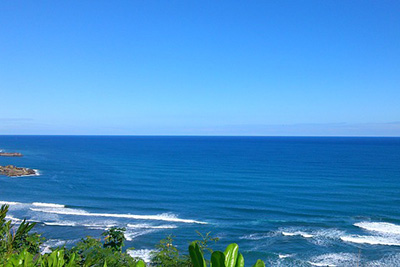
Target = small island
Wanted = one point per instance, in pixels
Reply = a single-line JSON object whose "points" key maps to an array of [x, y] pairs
{"points": [[13, 171], [10, 154]]}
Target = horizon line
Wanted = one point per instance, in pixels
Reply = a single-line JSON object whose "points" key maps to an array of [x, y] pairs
{"points": [[194, 135]]}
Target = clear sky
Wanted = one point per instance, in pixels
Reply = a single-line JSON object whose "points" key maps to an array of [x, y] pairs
{"points": [[200, 67]]}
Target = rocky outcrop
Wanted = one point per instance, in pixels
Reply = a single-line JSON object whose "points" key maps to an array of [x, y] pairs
{"points": [[8, 154], [13, 171]]}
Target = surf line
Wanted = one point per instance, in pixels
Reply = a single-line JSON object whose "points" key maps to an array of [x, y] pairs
{"points": [[127, 216]]}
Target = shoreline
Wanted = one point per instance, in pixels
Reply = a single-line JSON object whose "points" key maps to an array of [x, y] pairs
{"points": [[10, 154], [13, 171]]}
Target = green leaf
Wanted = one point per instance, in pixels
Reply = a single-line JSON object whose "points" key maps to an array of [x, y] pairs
{"points": [[259, 263], [217, 259], [240, 261], [231, 254], [71, 262], [196, 255], [140, 264]]}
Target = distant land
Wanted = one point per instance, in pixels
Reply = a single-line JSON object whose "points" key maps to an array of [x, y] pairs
{"points": [[13, 171], [10, 154]]}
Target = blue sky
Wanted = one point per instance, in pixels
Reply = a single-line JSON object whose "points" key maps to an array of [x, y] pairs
{"points": [[200, 67]]}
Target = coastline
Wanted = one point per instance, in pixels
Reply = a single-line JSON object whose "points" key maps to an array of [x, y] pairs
{"points": [[305, 200], [13, 171]]}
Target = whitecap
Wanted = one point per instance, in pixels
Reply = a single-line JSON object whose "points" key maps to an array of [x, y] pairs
{"points": [[371, 240], [321, 264], [51, 243], [256, 236], [334, 259], [325, 237], [148, 226], [102, 226], [47, 205], [387, 261], [13, 219], [144, 254], [10, 203], [130, 235], [160, 217], [60, 223], [381, 227], [300, 233], [283, 256]]}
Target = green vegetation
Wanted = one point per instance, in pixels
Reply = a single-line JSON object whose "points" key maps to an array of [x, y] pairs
{"points": [[20, 247], [230, 258]]}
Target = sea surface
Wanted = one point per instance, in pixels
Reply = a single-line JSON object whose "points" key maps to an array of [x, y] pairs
{"points": [[290, 201]]}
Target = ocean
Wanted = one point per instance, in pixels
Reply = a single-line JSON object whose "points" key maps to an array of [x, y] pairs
{"points": [[290, 201]]}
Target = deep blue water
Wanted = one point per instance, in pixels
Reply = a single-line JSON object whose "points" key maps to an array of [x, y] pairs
{"points": [[315, 200]]}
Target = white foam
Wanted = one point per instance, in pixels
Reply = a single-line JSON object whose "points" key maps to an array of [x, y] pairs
{"points": [[334, 259], [387, 261], [13, 219], [283, 256], [144, 254], [104, 226], [10, 203], [148, 226], [321, 264], [51, 243], [48, 205], [160, 217], [371, 240], [130, 235], [37, 173], [98, 227], [60, 223], [257, 236], [381, 227], [326, 237], [300, 233]]}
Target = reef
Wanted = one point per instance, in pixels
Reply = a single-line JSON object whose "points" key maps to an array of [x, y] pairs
{"points": [[13, 171], [8, 154]]}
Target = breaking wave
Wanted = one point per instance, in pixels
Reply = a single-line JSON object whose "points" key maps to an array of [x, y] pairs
{"points": [[283, 256], [334, 259], [148, 226], [144, 254], [130, 234], [10, 203], [160, 217], [47, 205], [371, 240], [93, 220], [381, 227], [299, 233]]}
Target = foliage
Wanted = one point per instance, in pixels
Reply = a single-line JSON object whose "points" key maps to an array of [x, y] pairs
{"points": [[24, 258], [91, 252], [15, 240], [230, 258], [20, 247], [204, 243], [55, 259], [196, 255], [168, 255], [114, 238]]}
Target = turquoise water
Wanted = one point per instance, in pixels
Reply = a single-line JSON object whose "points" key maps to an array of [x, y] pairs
{"points": [[291, 201]]}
